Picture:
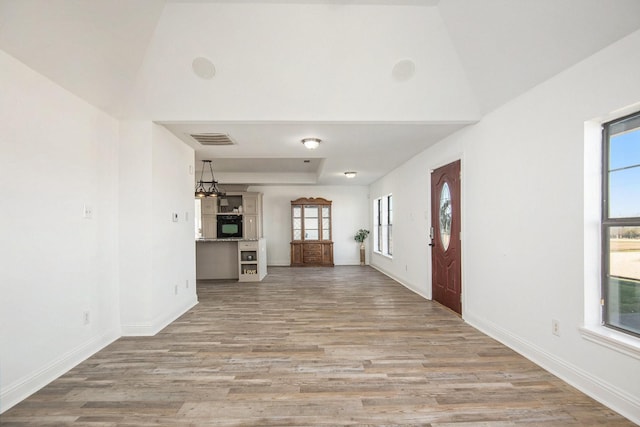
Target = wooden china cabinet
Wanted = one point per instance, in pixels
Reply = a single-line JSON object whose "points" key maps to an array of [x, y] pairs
{"points": [[311, 243]]}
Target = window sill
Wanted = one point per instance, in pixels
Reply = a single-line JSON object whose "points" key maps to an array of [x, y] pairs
{"points": [[384, 255], [614, 340]]}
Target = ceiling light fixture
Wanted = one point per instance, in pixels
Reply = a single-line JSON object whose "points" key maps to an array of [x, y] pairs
{"points": [[350, 174], [311, 143], [208, 188]]}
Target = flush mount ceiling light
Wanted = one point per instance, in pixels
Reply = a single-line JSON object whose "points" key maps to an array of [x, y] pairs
{"points": [[311, 143], [208, 188], [350, 174]]}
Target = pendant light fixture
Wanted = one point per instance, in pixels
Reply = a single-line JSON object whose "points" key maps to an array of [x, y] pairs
{"points": [[208, 188]]}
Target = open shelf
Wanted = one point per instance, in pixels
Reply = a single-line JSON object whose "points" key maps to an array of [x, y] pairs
{"points": [[250, 256], [251, 260]]}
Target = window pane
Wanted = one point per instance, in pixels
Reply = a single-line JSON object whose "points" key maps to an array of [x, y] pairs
{"points": [[326, 235], [624, 150], [623, 283], [624, 193], [624, 252], [621, 239], [623, 304], [297, 212], [297, 223], [325, 212], [385, 240], [445, 216], [376, 225], [297, 234]]}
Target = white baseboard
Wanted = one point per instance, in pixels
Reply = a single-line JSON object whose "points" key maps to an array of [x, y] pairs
{"points": [[148, 329], [406, 285], [15, 393], [598, 389], [605, 393], [20, 390]]}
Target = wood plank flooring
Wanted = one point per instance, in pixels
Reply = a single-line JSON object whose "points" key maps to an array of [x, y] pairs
{"points": [[310, 346]]}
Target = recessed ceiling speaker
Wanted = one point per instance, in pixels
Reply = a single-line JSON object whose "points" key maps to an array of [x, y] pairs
{"points": [[203, 68], [403, 70]]}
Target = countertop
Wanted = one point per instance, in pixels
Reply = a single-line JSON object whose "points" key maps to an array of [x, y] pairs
{"points": [[226, 240]]}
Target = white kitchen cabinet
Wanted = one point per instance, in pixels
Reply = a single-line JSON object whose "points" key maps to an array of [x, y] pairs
{"points": [[252, 262]]}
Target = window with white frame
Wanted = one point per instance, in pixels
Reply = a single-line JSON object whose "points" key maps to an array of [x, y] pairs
{"points": [[389, 225], [621, 224], [383, 225]]}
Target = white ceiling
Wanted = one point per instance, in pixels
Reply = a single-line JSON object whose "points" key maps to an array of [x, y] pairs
{"points": [[272, 152], [288, 70]]}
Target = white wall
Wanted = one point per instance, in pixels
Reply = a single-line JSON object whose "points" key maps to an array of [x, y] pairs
{"points": [[157, 255], [122, 266], [410, 187], [241, 37], [523, 222], [135, 229], [57, 153], [174, 262], [350, 210]]}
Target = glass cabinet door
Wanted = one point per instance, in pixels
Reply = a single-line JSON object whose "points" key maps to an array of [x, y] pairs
{"points": [[326, 223], [297, 222], [310, 222], [311, 219]]}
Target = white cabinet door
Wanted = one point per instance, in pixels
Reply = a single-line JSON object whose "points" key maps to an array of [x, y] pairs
{"points": [[250, 226], [209, 205], [209, 226], [250, 204]]}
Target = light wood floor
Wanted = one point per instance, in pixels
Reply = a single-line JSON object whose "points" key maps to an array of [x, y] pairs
{"points": [[310, 346]]}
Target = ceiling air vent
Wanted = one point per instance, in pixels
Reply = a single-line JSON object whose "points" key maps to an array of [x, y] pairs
{"points": [[212, 138]]}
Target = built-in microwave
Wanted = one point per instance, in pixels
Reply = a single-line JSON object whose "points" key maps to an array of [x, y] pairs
{"points": [[229, 226]]}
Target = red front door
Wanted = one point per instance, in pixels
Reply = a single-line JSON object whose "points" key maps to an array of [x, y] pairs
{"points": [[445, 237]]}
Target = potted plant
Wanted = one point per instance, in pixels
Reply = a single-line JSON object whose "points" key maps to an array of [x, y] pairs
{"points": [[360, 236]]}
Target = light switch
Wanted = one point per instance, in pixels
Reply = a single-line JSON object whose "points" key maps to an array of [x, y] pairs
{"points": [[174, 217], [87, 212]]}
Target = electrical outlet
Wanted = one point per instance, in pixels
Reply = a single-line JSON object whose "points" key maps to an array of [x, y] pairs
{"points": [[174, 217], [555, 327], [86, 317]]}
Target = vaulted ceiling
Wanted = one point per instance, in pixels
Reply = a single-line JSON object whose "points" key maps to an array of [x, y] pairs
{"points": [[377, 81]]}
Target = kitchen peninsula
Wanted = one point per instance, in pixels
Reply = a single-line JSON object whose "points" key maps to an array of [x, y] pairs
{"points": [[229, 241]]}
